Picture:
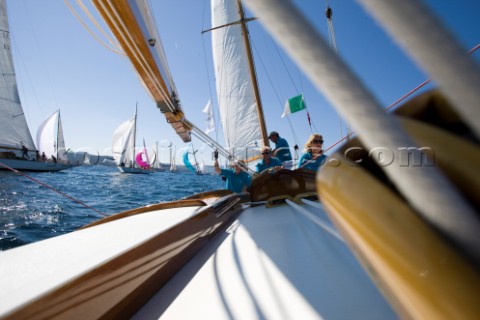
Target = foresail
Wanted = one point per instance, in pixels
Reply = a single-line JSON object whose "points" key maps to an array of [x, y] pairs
{"points": [[134, 28], [13, 126], [122, 139], [46, 136], [237, 106]]}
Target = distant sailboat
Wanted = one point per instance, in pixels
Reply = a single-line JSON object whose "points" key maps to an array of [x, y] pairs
{"points": [[155, 164], [201, 168], [89, 159], [86, 159], [17, 148], [173, 164], [124, 147], [195, 167], [50, 140], [186, 161]]}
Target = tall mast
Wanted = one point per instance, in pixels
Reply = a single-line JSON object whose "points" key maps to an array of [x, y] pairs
{"points": [[253, 76], [56, 138], [134, 135]]}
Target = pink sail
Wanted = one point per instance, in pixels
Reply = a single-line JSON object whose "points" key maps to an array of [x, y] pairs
{"points": [[139, 159]]}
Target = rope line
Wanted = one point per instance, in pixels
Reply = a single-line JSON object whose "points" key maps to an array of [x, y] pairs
{"points": [[51, 188]]}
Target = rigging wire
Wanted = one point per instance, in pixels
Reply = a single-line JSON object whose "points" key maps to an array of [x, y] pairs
{"points": [[402, 98], [310, 122], [333, 44], [296, 89], [208, 73], [113, 44], [51, 188], [40, 54], [115, 47], [280, 103]]}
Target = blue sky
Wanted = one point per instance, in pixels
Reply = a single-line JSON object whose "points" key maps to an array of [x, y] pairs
{"points": [[60, 65]]}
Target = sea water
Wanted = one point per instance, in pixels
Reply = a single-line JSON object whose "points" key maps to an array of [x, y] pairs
{"points": [[30, 211]]}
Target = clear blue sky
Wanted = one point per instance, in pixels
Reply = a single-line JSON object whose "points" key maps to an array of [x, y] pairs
{"points": [[61, 66]]}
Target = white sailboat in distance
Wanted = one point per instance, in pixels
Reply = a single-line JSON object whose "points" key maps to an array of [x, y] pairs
{"points": [[123, 149], [17, 148]]}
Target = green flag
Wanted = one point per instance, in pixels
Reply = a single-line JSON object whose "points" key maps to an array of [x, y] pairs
{"points": [[293, 105]]}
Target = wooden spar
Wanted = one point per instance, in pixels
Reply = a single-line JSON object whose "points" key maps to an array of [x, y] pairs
{"points": [[122, 21], [248, 49]]}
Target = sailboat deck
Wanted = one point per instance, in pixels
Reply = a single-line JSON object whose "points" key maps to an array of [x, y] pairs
{"points": [[29, 272], [272, 264]]}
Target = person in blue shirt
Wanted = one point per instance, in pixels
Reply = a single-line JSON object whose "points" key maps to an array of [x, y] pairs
{"points": [[282, 149], [268, 161], [313, 156], [237, 180]]}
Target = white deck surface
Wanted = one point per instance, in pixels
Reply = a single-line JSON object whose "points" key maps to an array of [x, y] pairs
{"points": [[272, 264], [30, 270]]}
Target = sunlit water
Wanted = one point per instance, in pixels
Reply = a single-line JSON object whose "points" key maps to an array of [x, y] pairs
{"points": [[31, 212]]}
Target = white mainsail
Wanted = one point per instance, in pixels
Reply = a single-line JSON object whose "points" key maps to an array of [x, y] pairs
{"points": [[124, 143], [173, 164], [13, 126], [50, 138], [236, 100]]}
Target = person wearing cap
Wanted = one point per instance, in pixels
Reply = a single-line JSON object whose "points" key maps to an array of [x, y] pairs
{"points": [[282, 149], [268, 161], [313, 157], [237, 180]]}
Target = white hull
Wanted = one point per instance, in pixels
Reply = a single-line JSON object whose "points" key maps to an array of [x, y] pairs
{"points": [[133, 170], [136, 251], [30, 272], [31, 165], [250, 270]]}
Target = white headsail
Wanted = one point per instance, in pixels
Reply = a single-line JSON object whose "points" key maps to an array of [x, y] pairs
{"points": [[50, 138]]}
